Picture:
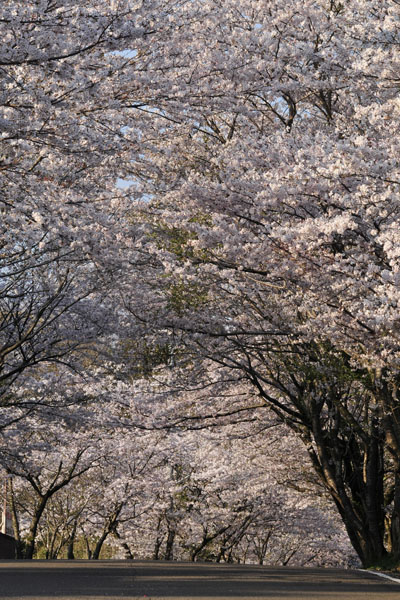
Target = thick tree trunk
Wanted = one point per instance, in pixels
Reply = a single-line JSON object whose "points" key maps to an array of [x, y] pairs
{"points": [[31, 538], [395, 521], [15, 522], [159, 541], [71, 542], [157, 547], [99, 545], [349, 421], [354, 478], [169, 547], [109, 527]]}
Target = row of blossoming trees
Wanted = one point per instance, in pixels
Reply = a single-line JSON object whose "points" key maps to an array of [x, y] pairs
{"points": [[199, 234], [83, 485]]}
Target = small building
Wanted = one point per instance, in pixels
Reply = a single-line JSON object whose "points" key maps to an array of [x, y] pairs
{"points": [[8, 547]]}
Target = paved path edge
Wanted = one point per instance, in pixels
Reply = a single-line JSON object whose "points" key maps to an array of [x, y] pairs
{"points": [[379, 574]]}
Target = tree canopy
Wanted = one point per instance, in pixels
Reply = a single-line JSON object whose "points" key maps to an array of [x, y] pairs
{"points": [[246, 266]]}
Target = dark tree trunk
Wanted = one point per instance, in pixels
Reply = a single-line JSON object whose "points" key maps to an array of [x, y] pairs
{"points": [[109, 527], [169, 547], [207, 539], [395, 521], [71, 542], [30, 541], [353, 476], [99, 545], [349, 421], [157, 547], [159, 541], [19, 545]]}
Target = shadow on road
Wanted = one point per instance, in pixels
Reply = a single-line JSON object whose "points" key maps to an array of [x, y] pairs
{"points": [[151, 580]]}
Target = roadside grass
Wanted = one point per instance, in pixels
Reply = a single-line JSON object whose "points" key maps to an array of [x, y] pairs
{"points": [[388, 565]]}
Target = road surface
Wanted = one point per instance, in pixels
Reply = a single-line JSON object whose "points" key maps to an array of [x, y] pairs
{"points": [[100, 580]]}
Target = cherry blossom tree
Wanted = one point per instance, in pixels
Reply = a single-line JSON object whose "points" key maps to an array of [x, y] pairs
{"points": [[217, 497], [68, 78], [256, 246], [272, 191], [47, 456], [95, 472]]}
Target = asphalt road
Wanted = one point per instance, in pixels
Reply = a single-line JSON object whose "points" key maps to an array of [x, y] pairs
{"points": [[100, 580]]}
